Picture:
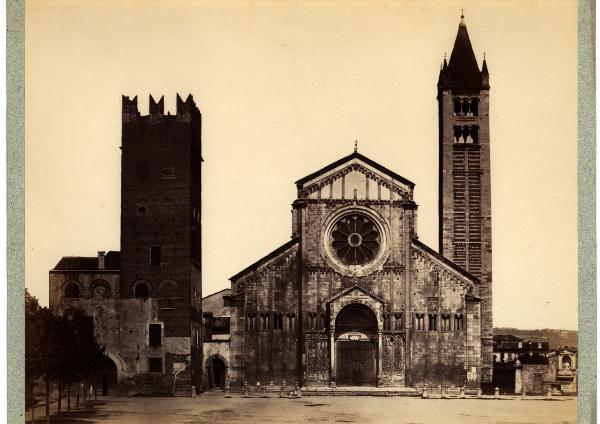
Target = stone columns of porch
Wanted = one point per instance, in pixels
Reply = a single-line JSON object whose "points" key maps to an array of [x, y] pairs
{"points": [[332, 358], [379, 357]]}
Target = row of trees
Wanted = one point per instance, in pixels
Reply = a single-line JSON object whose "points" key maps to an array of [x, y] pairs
{"points": [[61, 349]]}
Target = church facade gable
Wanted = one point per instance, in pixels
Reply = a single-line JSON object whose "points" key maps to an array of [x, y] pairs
{"points": [[355, 177]]}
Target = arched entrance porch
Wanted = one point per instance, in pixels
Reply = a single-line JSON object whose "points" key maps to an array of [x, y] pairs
{"points": [[356, 346], [106, 377]]}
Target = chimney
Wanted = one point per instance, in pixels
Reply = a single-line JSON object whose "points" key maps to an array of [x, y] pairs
{"points": [[101, 264]]}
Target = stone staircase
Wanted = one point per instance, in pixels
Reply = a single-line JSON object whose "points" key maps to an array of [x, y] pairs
{"points": [[183, 387]]}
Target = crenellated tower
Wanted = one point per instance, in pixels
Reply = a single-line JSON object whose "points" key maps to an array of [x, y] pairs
{"points": [[160, 230], [465, 219]]}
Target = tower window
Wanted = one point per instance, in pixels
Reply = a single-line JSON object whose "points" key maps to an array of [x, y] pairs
{"points": [[458, 134], [155, 255], [154, 338], [141, 290], [475, 134], [467, 134], [155, 365], [474, 106], [72, 291], [456, 103]]}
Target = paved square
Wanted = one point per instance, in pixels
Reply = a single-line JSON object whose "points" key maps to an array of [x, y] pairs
{"points": [[214, 408]]}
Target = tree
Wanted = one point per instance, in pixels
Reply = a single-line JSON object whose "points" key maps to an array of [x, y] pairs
{"points": [[61, 348]]}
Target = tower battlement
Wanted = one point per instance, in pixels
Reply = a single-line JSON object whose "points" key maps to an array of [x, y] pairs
{"points": [[186, 110]]}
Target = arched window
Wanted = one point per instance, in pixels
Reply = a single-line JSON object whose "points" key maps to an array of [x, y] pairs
{"points": [[475, 134], [467, 134], [142, 290], [457, 134], [419, 321], [456, 103], [72, 291], [291, 322], [464, 106], [397, 321], [251, 322], [458, 322], [474, 106], [168, 289], [386, 321], [432, 322]]}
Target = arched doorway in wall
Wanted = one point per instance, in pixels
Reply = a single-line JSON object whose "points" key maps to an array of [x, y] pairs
{"points": [[106, 377], [217, 371], [356, 346]]}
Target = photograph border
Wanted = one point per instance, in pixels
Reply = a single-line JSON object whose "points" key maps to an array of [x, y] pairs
{"points": [[15, 166], [587, 211], [15, 210]]}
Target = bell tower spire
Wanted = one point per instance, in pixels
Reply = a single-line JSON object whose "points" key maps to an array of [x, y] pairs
{"points": [[465, 224]]}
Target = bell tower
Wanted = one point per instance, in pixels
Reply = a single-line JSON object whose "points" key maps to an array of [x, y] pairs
{"points": [[465, 219]]}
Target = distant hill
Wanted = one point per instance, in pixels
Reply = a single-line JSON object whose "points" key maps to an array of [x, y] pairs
{"points": [[555, 338]]}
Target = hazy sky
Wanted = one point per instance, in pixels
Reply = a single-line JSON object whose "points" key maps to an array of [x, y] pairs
{"points": [[285, 88]]}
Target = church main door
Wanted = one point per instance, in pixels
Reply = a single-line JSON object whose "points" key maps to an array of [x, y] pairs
{"points": [[356, 363], [356, 348]]}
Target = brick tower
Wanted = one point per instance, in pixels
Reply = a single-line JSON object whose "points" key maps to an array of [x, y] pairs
{"points": [[464, 171], [160, 236]]}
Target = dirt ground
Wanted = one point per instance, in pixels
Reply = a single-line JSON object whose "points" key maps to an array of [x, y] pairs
{"points": [[214, 408]]}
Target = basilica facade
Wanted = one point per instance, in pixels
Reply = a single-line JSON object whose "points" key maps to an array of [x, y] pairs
{"points": [[355, 298]]}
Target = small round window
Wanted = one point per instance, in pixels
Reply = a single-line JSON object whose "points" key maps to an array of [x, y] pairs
{"points": [[355, 239]]}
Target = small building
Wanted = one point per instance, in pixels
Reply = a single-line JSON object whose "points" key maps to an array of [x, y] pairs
{"points": [[215, 322], [530, 366], [520, 364], [563, 362], [509, 348]]}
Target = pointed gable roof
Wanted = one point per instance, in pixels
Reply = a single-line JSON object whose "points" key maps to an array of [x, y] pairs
{"points": [[463, 70], [355, 287], [417, 243], [262, 261], [112, 262], [349, 158]]}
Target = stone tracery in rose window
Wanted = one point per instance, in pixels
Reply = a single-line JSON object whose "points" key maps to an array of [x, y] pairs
{"points": [[355, 239]]}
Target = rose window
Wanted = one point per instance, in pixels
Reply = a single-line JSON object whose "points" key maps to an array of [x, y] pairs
{"points": [[355, 239]]}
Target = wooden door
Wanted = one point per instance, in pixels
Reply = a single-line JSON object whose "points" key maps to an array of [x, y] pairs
{"points": [[355, 363], [538, 383]]}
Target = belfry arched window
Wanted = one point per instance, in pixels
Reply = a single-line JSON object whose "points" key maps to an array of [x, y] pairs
{"points": [[474, 106], [457, 107], [475, 134]]}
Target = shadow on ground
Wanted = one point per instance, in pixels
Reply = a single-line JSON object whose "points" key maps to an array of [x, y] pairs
{"points": [[87, 413]]}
